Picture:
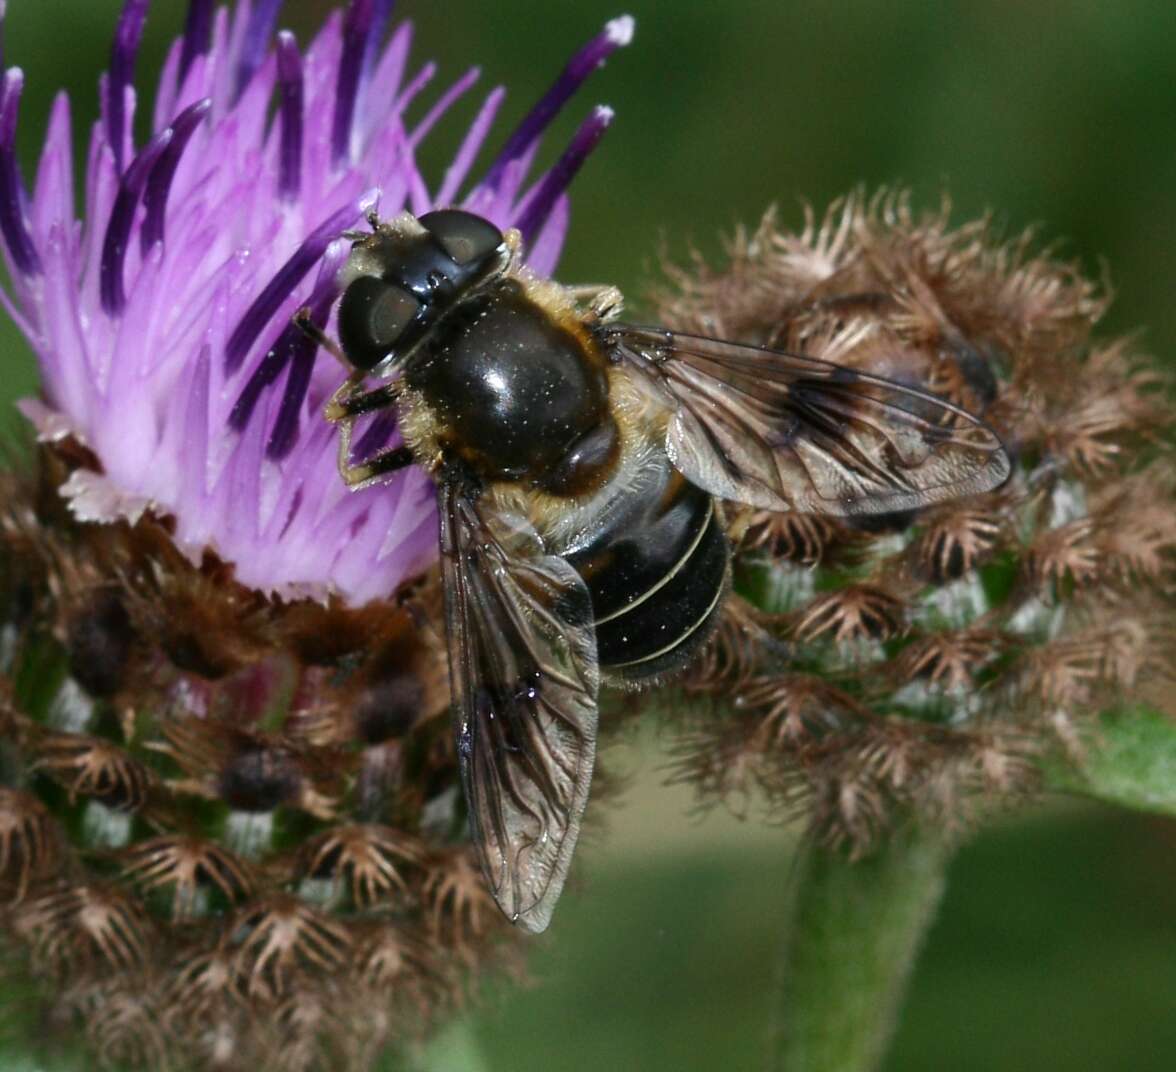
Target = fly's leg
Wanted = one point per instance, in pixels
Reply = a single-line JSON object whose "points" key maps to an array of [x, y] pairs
{"points": [[604, 302], [379, 465], [347, 405], [303, 321]]}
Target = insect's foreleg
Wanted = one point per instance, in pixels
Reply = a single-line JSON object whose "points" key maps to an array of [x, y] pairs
{"points": [[346, 402], [374, 469], [303, 321], [306, 325], [346, 405]]}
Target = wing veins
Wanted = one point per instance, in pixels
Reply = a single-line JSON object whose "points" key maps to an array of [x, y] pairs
{"points": [[525, 685], [753, 422]]}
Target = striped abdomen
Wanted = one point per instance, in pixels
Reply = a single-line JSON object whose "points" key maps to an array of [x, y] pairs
{"points": [[657, 573]]}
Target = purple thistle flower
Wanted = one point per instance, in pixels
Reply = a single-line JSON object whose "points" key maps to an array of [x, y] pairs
{"points": [[162, 320]]}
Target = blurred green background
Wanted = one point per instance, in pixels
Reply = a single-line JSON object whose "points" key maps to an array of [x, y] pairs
{"points": [[1056, 946]]}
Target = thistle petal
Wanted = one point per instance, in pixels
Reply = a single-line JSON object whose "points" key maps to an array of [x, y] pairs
{"points": [[163, 321]]}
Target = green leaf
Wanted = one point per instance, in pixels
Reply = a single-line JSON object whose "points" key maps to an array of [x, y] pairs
{"points": [[1130, 761]]}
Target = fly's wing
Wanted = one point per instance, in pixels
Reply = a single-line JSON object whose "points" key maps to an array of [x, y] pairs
{"points": [[522, 667], [784, 431]]}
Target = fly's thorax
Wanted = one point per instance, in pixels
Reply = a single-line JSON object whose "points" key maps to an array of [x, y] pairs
{"points": [[509, 388], [566, 520]]}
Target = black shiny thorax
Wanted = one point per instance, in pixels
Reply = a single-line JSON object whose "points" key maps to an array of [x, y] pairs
{"points": [[514, 393]]}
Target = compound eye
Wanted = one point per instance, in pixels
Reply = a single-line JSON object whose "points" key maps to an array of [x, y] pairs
{"points": [[469, 240], [373, 315]]}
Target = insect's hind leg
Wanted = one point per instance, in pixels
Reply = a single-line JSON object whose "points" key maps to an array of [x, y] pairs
{"points": [[345, 407]]}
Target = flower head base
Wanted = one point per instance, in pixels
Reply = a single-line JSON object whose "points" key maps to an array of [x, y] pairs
{"points": [[922, 662], [231, 831], [163, 322]]}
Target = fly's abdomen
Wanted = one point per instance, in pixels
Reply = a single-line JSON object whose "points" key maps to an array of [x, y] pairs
{"points": [[657, 574]]}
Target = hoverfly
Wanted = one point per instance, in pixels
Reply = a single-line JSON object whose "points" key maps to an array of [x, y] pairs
{"points": [[579, 462]]}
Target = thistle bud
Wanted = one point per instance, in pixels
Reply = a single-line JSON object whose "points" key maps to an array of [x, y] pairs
{"points": [[925, 662]]}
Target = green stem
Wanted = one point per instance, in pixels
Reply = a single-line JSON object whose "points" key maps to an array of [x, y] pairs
{"points": [[854, 931], [456, 1049]]}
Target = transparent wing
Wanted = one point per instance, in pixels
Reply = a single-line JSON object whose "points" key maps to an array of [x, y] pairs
{"points": [[522, 663], [787, 432]]}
